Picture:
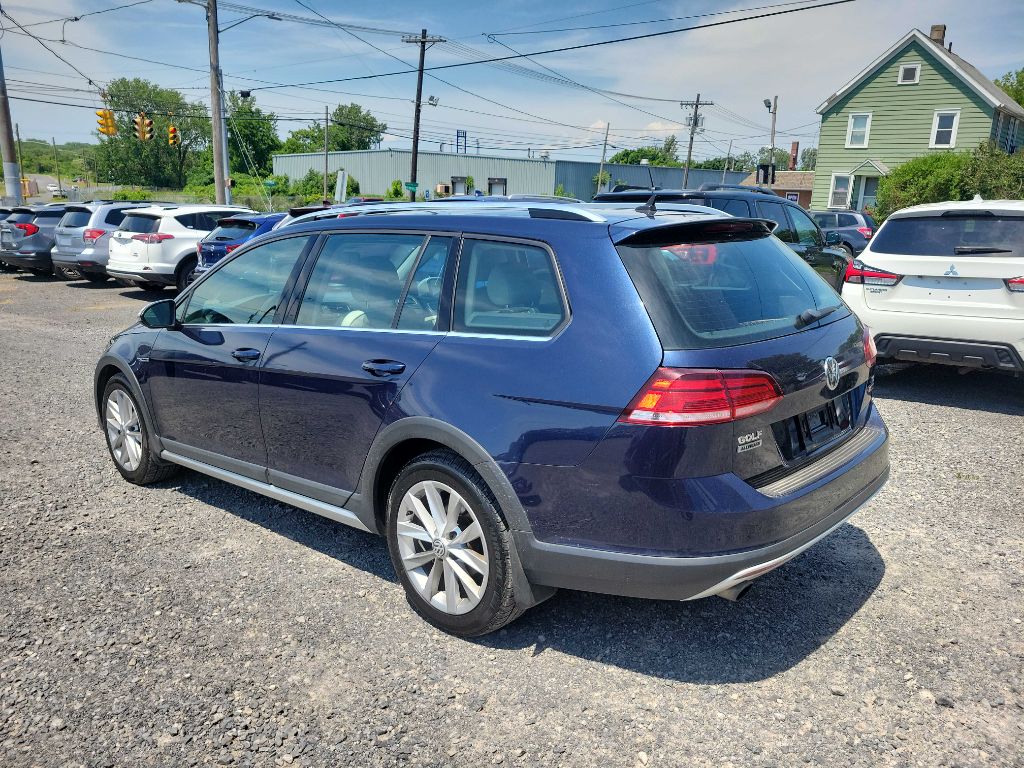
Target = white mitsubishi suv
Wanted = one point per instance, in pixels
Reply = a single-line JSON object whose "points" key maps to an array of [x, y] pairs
{"points": [[156, 246], [944, 283]]}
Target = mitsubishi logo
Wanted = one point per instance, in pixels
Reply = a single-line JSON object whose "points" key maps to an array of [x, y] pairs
{"points": [[831, 366], [951, 272]]}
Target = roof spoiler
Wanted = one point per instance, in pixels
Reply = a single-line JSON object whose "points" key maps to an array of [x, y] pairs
{"points": [[718, 230]]}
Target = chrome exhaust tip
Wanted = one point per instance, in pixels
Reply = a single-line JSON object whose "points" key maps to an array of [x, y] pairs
{"points": [[736, 591]]}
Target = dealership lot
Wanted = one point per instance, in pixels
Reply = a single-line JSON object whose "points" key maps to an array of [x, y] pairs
{"points": [[196, 623]]}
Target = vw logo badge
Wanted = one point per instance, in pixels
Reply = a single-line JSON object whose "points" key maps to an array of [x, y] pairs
{"points": [[831, 372]]}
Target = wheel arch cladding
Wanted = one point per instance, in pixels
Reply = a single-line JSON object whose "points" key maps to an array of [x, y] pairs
{"points": [[106, 369]]}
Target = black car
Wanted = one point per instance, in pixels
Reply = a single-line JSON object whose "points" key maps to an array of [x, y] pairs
{"points": [[854, 228], [794, 226]]}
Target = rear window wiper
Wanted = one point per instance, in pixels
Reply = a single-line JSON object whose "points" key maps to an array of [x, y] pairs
{"points": [[981, 249], [809, 316]]}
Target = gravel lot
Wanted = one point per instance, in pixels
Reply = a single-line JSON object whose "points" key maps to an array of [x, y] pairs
{"points": [[193, 623]]}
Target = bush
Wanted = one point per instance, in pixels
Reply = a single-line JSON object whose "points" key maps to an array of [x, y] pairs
{"points": [[395, 191], [131, 193]]}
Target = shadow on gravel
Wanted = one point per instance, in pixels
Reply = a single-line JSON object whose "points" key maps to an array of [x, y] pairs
{"points": [[942, 385], [789, 613]]}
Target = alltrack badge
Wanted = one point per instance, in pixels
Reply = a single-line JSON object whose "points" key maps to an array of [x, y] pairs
{"points": [[748, 441], [831, 372]]}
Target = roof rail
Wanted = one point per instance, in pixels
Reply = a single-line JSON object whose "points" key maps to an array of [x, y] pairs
{"points": [[630, 187], [739, 187]]}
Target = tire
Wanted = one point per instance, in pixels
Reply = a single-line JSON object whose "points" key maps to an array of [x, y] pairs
{"points": [[184, 272], [123, 418], [430, 567], [93, 277]]}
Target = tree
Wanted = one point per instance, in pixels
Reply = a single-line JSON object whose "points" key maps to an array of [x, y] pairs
{"points": [[351, 128], [124, 159], [665, 155], [252, 135], [781, 158], [671, 147], [932, 178], [808, 158], [1013, 84]]}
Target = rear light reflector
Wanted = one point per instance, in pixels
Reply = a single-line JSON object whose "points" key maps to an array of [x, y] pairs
{"points": [[870, 350], [92, 235], [154, 237], [859, 272], [1016, 284], [27, 228], [866, 231], [679, 397]]}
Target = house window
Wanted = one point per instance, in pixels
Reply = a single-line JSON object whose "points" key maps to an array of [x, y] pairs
{"points": [[839, 194], [858, 129], [944, 129], [909, 74], [1011, 135]]}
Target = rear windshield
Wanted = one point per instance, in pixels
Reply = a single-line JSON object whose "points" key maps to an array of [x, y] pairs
{"points": [[966, 235], [76, 218], [231, 230], [20, 218], [706, 292], [135, 223], [54, 214]]}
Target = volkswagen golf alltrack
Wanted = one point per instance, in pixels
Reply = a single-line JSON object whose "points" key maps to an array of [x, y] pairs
{"points": [[519, 397]]}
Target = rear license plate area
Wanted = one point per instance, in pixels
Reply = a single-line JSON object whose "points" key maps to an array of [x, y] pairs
{"points": [[801, 435]]}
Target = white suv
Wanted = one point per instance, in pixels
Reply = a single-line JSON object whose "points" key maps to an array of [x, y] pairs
{"points": [[944, 283], [156, 246]]}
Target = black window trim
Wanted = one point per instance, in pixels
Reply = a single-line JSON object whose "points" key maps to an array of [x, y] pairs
{"points": [[559, 281]]}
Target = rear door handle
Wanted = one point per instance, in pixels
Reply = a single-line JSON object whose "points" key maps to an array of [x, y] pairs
{"points": [[246, 354], [383, 367]]}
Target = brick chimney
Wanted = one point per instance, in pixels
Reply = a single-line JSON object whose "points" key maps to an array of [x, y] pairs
{"points": [[938, 35]]}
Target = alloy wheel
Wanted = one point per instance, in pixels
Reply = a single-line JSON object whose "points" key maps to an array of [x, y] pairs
{"points": [[442, 547], [124, 430]]}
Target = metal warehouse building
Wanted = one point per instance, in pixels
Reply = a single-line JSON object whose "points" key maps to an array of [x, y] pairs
{"points": [[376, 169]]}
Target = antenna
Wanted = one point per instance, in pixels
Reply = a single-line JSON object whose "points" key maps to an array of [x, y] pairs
{"points": [[650, 173], [649, 208]]}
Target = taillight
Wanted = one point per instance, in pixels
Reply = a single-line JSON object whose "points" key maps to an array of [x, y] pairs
{"points": [[28, 229], [679, 397], [92, 235], [866, 231], [153, 237], [859, 272], [230, 248], [1016, 284], [870, 350], [346, 215]]}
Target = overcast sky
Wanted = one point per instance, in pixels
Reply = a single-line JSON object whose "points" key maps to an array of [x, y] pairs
{"points": [[802, 57]]}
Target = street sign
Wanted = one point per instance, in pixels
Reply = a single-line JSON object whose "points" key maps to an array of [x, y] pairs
{"points": [[412, 186], [269, 183]]}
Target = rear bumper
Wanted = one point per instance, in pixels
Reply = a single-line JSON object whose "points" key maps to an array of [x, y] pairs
{"points": [[835, 497], [28, 260], [143, 275], [963, 354]]}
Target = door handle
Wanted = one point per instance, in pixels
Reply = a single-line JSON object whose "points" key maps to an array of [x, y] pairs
{"points": [[383, 367], [246, 354]]}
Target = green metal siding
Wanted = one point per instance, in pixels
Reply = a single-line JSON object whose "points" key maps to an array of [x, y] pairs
{"points": [[901, 118]]}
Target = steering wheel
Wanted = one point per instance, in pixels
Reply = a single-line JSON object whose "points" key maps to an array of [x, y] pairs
{"points": [[209, 316]]}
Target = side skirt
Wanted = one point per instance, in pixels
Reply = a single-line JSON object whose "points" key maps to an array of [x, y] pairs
{"points": [[338, 514]]}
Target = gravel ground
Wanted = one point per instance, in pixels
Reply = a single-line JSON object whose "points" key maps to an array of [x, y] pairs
{"points": [[193, 623]]}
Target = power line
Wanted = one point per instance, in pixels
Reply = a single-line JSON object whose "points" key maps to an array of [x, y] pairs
{"points": [[80, 16], [25, 31]]}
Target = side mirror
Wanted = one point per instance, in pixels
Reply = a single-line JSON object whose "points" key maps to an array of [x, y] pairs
{"points": [[159, 314], [833, 238]]}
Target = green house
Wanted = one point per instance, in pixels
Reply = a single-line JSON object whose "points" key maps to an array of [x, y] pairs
{"points": [[917, 97]]}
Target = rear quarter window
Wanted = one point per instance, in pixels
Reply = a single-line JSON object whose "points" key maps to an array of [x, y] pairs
{"points": [[76, 219], [848, 220], [732, 206], [708, 292], [961, 235], [115, 217]]}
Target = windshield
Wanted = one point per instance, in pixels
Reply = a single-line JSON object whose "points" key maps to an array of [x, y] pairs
{"points": [[230, 229], [708, 293], [962, 235], [133, 222]]}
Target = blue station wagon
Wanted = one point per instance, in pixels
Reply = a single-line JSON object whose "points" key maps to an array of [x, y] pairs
{"points": [[230, 234], [519, 396]]}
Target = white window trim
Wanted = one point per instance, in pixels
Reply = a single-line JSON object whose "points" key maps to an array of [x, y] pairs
{"points": [[917, 78], [867, 130], [935, 126], [832, 190]]}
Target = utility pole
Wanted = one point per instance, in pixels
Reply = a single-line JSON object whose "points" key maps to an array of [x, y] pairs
{"points": [[224, 138], [327, 122], [56, 165], [696, 104], [12, 163], [216, 108], [728, 160], [422, 41], [771, 159], [604, 150]]}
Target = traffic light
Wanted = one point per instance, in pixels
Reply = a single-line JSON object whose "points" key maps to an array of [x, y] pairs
{"points": [[106, 122], [172, 136], [143, 127]]}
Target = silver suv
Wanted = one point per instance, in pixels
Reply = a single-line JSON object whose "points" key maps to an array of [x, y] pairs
{"points": [[26, 237], [83, 238]]}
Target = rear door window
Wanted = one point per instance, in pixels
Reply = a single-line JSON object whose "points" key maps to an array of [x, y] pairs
{"points": [[142, 224], [76, 218], [776, 212], [421, 305], [824, 220], [187, 220], [712, 291], [806, 232], [509, 289], [961, 235], [115, 216]]}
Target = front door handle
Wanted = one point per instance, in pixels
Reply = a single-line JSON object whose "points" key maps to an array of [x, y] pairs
{"points": [[246, 354], [383, 367]]}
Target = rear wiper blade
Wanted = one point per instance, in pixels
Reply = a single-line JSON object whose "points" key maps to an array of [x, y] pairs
{"points": [[809, 316], [981, 249]]}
